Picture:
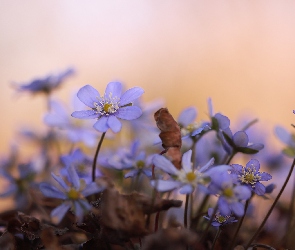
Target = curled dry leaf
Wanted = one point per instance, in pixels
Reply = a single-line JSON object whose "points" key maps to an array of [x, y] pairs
{"points": [[170, 135]]}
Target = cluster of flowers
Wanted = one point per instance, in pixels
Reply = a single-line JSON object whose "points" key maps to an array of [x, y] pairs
{"points": [[207, 174]]}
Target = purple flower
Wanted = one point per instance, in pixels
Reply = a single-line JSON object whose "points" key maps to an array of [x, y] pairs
{"points": [[250, 176], [19, 186], [131, 158], [75, 131], [73, 195], [230, 194], [186, 179], [82, 164], [288, 139], [188, 125], [47, 83], [220, 220], [108, 108]]}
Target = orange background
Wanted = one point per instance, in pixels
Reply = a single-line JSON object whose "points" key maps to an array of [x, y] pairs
{"points": [[239, 53]]}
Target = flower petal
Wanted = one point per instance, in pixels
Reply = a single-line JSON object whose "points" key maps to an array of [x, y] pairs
{"points": [[238, 208], [254, 165], [259, 189], [283, 135], [186, 161], [113, 89], [130, 95], [91, 188], [85, 114], [161, 162], [164, 186], [50, 191], [60, 181], [265, 176], [241, 139], [186, 189], [88, 95], [114, 124], [59, 212], [129, 113], [187, 116], [101, 124], [73, 177]]}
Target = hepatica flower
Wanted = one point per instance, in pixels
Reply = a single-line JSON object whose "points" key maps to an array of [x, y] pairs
{"points": [[230, 194], [46, 84], [186, 179], [72, 194], [250, 176], [109, 107], [220, 220]]}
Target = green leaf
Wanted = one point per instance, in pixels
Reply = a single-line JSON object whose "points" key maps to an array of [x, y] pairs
{"points": [[289, 152]]}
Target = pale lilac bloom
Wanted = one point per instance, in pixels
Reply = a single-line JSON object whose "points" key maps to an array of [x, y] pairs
{"points": [[72, 194], [75, 131], [109, 107], [82, 164], [288, 139], [46, 84], [132, 159], [186, 179], [230, 194], [220, 220], [250, 176], [188, 124]]}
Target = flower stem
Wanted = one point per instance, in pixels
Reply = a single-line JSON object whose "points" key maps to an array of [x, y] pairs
{"points": [[216, 238], [240, 224], [96, 154], [185, 210], [230, 157], [272, 207], [209, 223]]}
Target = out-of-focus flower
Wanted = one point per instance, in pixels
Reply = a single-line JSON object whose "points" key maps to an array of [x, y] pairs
{"points": [[250, 176], [186, 179], [75, 131], [220, 220], [47, 83], [82, 164], [72, 194], [131, 159], [288, 139], [230, 195], [188, 124], [18, 186], [239, 142], [108, 108]]}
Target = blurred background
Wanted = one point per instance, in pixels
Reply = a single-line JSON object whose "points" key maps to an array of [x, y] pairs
{"points": [[239, 53]]}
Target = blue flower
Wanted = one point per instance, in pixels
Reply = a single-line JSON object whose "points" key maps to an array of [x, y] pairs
{"points": [[220, 220], [75, 131], [230, 194], [288, 139], [186, 179], [82, 164], [47, 83], [131, 159], [108, 108], [250, 176], [188, 125], [73, 195], [19, 186]]}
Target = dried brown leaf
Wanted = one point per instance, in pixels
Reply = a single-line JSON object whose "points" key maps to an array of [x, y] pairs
{"points": [[170, 135]]}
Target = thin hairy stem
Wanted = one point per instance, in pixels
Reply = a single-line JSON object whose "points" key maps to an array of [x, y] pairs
{"points": [[96, 154], [185, 210], [216, 238]]}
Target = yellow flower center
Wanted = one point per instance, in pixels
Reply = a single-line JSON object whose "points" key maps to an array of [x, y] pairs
{"points": [[220, 219], [228, 192], [73, 194], [191, 176], [107, 107], [140, 164]]}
